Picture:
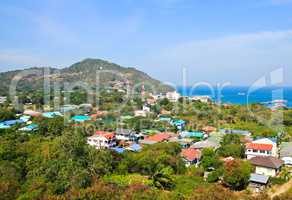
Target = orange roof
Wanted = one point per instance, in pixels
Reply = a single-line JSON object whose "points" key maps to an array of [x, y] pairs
{"points": [[191, 154], [107, 135], [258, 146], [159, 137]]}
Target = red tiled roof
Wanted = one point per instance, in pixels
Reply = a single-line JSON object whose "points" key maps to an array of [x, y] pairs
{"points": [[191, 154], [107, 135], [258, 146], [159, 137]]}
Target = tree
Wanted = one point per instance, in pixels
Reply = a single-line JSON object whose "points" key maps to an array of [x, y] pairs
{"points": [[210, 160], [236, 174], [162, 179]]}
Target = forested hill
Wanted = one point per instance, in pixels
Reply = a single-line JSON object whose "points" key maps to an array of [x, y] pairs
{"points": [[112, 75]]}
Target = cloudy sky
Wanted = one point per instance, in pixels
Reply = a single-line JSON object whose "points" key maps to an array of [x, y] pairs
{"points": [[213, 40]]}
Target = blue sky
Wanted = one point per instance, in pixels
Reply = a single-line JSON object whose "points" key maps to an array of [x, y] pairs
{"points": [[215, 40]]}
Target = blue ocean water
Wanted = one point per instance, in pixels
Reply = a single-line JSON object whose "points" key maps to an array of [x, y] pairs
{"points": [[241, 94]]}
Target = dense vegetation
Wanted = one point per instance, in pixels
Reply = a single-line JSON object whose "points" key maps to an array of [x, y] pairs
{"points": [[56, 163]]}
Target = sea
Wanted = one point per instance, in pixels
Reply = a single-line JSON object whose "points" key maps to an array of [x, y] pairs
{"points": [[241, 95]]}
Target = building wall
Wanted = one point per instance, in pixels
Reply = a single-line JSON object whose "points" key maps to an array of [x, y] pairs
{"points": [[266, 171]]}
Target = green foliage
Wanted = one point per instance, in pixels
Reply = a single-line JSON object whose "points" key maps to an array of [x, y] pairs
{"points": [[210, 160], [231, 146], [236, 174]]}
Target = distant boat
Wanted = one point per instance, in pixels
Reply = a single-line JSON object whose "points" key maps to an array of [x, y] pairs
{"points": [[241, 93]]}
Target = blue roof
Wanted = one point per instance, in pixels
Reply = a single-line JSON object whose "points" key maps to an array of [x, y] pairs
{"points": [[25, 118], [135, 147], [3, 126], [119, 149], [51, 114], [81, 118], [178, 122], [13, 122], [30, 127], [196, 134]]}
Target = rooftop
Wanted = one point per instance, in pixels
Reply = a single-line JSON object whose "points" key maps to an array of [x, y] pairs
{"points": [[191, 154], [258, 146], [258, 178], [266, 161]]}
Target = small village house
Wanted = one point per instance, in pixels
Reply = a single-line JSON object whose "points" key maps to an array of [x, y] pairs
{"points": [[203, 99], [102, 140], [3, 99], [173, 96], [160, 137], [267, 165], [140, 113], [286, 153], [258, 182], [191, 156], [261, 147]]}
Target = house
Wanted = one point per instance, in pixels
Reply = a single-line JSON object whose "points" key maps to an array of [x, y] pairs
{"points": [[184, 142], [191, 134], [3, 99], [266, 165], [286, 152], [127, 135], [238, 132], [179, 123], [160, 137], [140, 113], [134, 147], [51, 114], [81, 118], [4, 126], [25, 118], [151, 101], [146, 108], [119, 150], [172, 96], [205, 144], [31, 127], [32, 113], [261, 147], [165, 112], [258, 182], [191, 156], [209, 129], [68, 108], [86, 107], [102, 140], [203, 99]]}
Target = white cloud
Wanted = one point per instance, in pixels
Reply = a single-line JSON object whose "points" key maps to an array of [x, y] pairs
{"points": [[234, 58]]}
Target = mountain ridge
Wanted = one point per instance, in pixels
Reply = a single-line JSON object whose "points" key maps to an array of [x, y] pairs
{"points": [[85, 71]]}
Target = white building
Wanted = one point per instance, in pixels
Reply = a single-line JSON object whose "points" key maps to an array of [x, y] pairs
{"points": [[203, 99], [172, 96], [3, 100], [266, 165], [140, 113], [102, 140], [261, 147], [146, 108]]}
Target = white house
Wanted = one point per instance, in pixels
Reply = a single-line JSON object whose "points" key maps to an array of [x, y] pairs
{"points": [[266, 165], [172, 96], [261, 147], [203, 99], [101, 140], [286, 152], [3, 99], [146, 108], [140, 113]]}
